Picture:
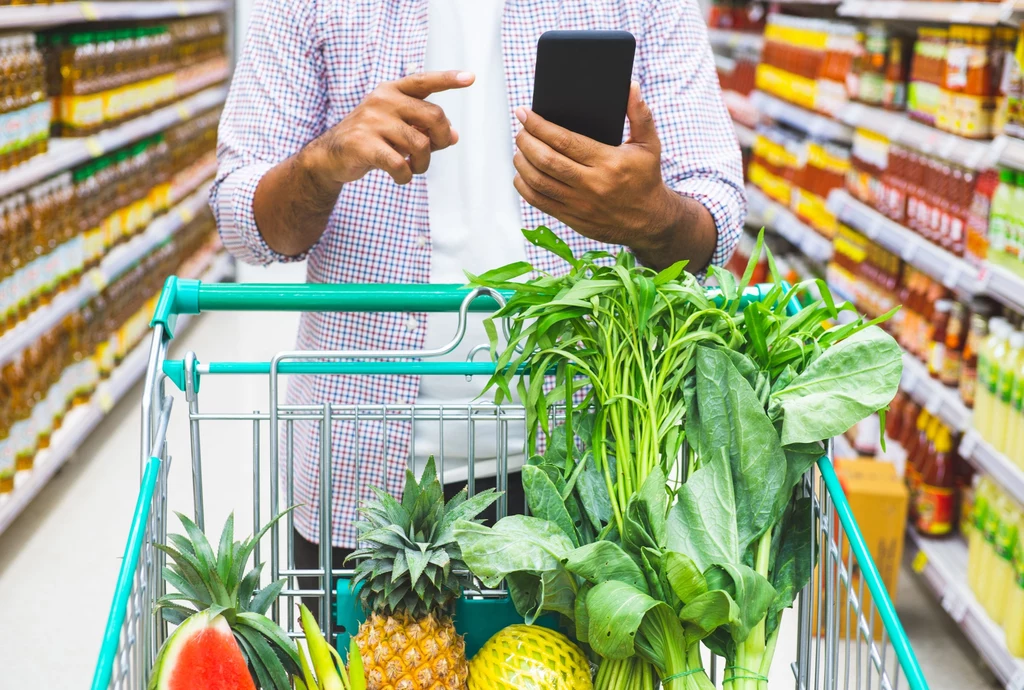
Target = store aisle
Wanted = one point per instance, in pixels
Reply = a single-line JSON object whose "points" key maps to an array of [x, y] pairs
{"points": [[59, 561]]}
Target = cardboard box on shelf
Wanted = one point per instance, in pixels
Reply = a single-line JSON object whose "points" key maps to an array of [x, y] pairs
{"points": [[879, 500]]}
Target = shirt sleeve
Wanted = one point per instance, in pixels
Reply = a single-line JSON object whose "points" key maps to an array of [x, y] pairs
{"points": [[277, 104], [701, 158]]}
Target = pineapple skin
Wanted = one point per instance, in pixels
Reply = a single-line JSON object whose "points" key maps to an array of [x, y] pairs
{"points": [[403, 653]]}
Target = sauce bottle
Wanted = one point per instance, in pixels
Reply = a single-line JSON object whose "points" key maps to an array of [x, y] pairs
{"points": [[936, 500], [956, 335], [937, 344]]}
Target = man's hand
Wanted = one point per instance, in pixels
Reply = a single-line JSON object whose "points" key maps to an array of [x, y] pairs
{"points": [[394, 129], [613, 194]]}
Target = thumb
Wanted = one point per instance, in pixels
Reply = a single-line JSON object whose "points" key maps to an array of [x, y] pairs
{"points": [[641, 119]]}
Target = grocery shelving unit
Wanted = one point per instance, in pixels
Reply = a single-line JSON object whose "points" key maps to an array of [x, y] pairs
{"points": [[91, 284], [64, 154], [38, 16], [939, 400], [942, 563], [732, 40], [745, 135], [68, 153], [810, 123], [781, 220], [82, 420], [954, 273], [978, 13]]}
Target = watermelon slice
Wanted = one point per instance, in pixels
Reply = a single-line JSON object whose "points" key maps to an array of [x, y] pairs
{"points": [[201, 655]]}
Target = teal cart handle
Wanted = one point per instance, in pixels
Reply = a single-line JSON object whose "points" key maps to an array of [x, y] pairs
{"points": [[126, 578], [883, 604], [181, 296]]}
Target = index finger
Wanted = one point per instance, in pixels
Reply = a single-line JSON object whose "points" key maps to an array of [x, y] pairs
{"points": [[570, 144], [425, 83]]}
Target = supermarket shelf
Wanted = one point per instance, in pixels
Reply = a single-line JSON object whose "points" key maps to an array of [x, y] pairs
{"points": [[1011, 152], [785, 223], [82, 420], [67, 153], [811, 123], [954, 273], [30, 16], [939, 400], [943, 566], [987, 459], [745, 135], [114, 264], [899, 128], [724, 63], [732, 40], [980, 13], [1004, 285]]}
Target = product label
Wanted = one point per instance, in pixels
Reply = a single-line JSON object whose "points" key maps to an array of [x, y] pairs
{"points": [[991, 526], [936, 358], [992, 381], [1006, 381], [1006, 540], [935, 510], [951, 367], [968, 384]]}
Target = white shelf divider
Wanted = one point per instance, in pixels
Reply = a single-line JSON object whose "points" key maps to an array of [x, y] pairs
{"points": [[780, 219], [943, 565], [901, 129], [954, 273], [731, 40], [68, 153], [745, 135], [113, 265], [978, 13], [939, 400], [82, 420], [811, 123], [990, 461], [39, 16]]}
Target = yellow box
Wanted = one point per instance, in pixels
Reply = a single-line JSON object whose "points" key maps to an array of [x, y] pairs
{"points": [[879, 500]]}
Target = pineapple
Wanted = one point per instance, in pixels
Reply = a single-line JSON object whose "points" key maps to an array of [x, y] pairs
{"points": [[219, 585], [412, 572]]}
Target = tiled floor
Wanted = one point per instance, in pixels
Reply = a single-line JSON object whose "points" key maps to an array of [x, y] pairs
{"points": [[59, 561]]}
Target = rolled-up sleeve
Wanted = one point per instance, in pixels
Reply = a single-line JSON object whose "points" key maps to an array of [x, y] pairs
{"points": [[701, 158], [277, 104]]}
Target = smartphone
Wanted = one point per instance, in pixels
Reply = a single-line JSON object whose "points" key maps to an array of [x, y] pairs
{"points": [[582, 81]]}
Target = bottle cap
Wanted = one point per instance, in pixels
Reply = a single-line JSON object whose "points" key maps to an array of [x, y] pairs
{"points": [[1006, 175]]}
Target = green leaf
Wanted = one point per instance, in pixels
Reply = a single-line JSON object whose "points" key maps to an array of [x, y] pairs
{"points": [[276, 672], [791, 561], [670, 274], [702, 524], [533, 594], [616, 612], [581, 615], [273, 632], [708, 612], [733, 419], [417, 560], [227, 538], [544, 238], [502, 274], [248, 585], [646, 292], [848, 382], [266, 596], [263, 679], [604, 561], [685, 578], [654, 501], [593, 492], [515, 544], [749, 589], [546, 502]]}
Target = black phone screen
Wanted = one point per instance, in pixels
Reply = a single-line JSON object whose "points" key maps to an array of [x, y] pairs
{"points": [[582, 81]]}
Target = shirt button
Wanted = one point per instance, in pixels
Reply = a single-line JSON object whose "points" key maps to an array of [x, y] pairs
{"points": [[411, 68], [412, 324], [421, 240]]}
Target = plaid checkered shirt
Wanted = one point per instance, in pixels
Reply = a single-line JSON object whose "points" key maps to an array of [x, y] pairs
{"points": [[307, 63]]}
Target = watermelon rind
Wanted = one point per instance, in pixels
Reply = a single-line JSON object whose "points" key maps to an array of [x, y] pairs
{"points": [[167, 659]]}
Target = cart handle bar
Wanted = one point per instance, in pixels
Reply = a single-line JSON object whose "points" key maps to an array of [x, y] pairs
{"points": [[182, 296]]}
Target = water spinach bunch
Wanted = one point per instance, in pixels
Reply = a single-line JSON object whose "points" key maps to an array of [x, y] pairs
{"points": [[669, 508]]}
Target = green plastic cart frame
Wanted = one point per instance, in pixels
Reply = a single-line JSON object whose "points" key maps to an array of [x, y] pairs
{"points": [[825, 658]]}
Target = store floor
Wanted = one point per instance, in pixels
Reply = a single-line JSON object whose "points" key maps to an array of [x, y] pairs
{"points": [[59, 560]]}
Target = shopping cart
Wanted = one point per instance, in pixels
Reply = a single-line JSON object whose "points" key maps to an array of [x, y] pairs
{"points": [[838, 644]]}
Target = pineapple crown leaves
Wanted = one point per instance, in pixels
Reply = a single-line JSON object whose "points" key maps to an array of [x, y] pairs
{"points": [[219, 582], [411, 562]]}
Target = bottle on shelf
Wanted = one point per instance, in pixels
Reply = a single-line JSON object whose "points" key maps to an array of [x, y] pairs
{"points": [[936, 499], [1000, 427], [956, 337], [992, 349], [937, 344]]}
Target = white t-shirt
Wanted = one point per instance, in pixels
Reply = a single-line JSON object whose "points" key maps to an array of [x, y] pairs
{"points": [[475, 218]]}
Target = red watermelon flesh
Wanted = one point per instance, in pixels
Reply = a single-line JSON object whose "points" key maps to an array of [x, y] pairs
{"points": [[202, 655]]}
